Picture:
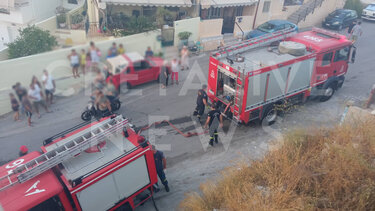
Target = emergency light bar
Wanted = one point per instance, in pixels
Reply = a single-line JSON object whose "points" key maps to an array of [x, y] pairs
{"points": [[326, 32]]}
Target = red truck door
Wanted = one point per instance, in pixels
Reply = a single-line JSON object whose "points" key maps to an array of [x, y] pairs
{"points": [[324, 68], [144, 71], [340, 61]]}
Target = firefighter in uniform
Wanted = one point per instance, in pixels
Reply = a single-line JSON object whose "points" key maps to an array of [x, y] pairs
{"points": [[201, 102], [160, 164], [214, 120]]}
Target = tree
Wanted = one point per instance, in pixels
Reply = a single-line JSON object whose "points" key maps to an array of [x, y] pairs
{"points": [[161, 15], [32, 40], [354, 5]]}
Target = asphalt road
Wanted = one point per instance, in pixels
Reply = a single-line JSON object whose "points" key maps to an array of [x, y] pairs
{"points": [[177, 103]]}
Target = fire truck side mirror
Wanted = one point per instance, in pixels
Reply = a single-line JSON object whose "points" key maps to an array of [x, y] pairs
{"points": [[352, 53]]}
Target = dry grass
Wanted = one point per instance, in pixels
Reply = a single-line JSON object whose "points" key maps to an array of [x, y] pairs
{"points": [[313, 170]]}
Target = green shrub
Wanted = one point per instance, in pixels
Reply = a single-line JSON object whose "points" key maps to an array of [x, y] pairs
{"points": [[77, 18], [354, 5], [32, 40], [184, 35]]}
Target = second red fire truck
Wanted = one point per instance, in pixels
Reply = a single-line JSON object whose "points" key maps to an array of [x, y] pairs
{"points": [[92, 166], [252, 77]]}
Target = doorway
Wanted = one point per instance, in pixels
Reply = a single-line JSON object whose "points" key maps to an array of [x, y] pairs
{"points": [[228, 20]]}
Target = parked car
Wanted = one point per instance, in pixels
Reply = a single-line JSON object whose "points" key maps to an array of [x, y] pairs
{"points": [[271, 26], [132, 69], [369, 12], [340, 19]]}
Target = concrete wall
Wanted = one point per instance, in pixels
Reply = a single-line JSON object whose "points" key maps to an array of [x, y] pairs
{"points": [[190, 25], [320, 13], [4, 54], [246, 25], [275, 11], [210, 28], [22, 69], [49, 24]]}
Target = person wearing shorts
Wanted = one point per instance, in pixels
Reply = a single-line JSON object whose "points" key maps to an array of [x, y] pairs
{"points": [[28, 108], [35, 95], [49, 86], [74, 62]]}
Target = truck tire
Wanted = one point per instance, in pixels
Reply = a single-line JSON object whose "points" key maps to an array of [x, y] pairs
{"points": [[269, 115], [124, 88], [292, 48], [328, 93]]}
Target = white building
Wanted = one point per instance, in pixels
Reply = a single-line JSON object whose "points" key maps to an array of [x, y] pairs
{"points": [[16, 14]]}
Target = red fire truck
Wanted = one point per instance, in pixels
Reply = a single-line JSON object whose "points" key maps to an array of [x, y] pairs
{"points": [[251, 78], [92, 166]]}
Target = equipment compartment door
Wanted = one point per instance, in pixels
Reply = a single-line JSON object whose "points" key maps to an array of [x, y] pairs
{"points": [[122, 183]]}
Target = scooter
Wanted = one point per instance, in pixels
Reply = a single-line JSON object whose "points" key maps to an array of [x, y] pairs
{"points": [[91, 110]]}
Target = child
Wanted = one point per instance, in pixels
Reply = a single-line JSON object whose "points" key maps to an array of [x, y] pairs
{"points": [[83, 61], [15, 107], [120, 50]]}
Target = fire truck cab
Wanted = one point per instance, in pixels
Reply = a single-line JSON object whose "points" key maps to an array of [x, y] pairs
{"points": [[95, 166], [250, 78]]}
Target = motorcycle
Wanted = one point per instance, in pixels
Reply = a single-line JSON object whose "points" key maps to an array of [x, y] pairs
{"points": [[91, 110]]}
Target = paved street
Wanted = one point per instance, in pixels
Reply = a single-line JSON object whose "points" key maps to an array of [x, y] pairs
{"points": [[190, 163]]}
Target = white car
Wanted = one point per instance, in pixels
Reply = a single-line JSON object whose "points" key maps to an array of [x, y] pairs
{"points": [[369, 12]]}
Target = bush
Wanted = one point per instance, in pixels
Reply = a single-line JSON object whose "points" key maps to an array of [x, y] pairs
{"points": [[354, 5], [313, 170], [61, 18], [184, 35], [32, 40], [77, 18]]}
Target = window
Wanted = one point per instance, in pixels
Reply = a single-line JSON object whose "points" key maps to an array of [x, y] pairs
{"points": [[72, 2], [342, 54], [142, 65], [149, 11], [266, 6], [214, 12], [327, 58], [354, 14], [239, 11]]}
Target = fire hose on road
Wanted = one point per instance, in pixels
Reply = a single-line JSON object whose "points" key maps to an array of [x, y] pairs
{"points": [[186, 135]]}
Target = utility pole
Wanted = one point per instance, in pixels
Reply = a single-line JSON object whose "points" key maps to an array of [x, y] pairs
{"points": [[256, 13]]}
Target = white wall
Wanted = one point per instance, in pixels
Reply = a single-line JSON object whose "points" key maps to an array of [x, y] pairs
{"points": [[190, 25]]}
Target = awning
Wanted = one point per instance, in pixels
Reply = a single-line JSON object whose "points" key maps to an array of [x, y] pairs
{"points": [[226, 3], [157, 3]]}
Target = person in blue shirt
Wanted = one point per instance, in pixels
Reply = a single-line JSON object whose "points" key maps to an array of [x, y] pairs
{"points": [[149, 52], [160, 164]]}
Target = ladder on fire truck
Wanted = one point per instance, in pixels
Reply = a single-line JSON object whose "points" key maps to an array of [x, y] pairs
{"points": [[246, 45], [256, 42], [71, 146]]}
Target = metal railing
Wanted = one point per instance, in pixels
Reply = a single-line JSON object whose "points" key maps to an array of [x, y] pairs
{"points": [[308, 9]]}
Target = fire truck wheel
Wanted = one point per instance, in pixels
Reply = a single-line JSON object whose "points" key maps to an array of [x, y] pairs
{"points": [[86, 116], [125, 207], [327, 93], [269, 116], [124, 88]]}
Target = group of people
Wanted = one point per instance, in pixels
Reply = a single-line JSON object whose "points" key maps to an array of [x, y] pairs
{"points": [[38, 94], [89, 60], [173, 68]]}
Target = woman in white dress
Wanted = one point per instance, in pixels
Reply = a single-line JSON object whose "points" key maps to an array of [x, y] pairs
{"points": [[185, 58]]}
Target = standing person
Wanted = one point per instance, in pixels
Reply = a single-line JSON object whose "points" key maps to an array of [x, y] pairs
{"points": [[184, 58], [163, 77], [351, 25], [28, 108], [94, 54], [74, 62], [88, 62], [201, 102], [175, 69], [120, 50], [36, 82], [149, 52], [35, 94], [161, 165], [15, 107], [112, 52], [23, 151], [82, 61], [49, 86], [356, 32], [20, 92], [214, 120]]}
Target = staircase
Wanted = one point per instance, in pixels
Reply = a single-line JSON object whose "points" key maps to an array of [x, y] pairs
{"points": [[306, 9]]}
